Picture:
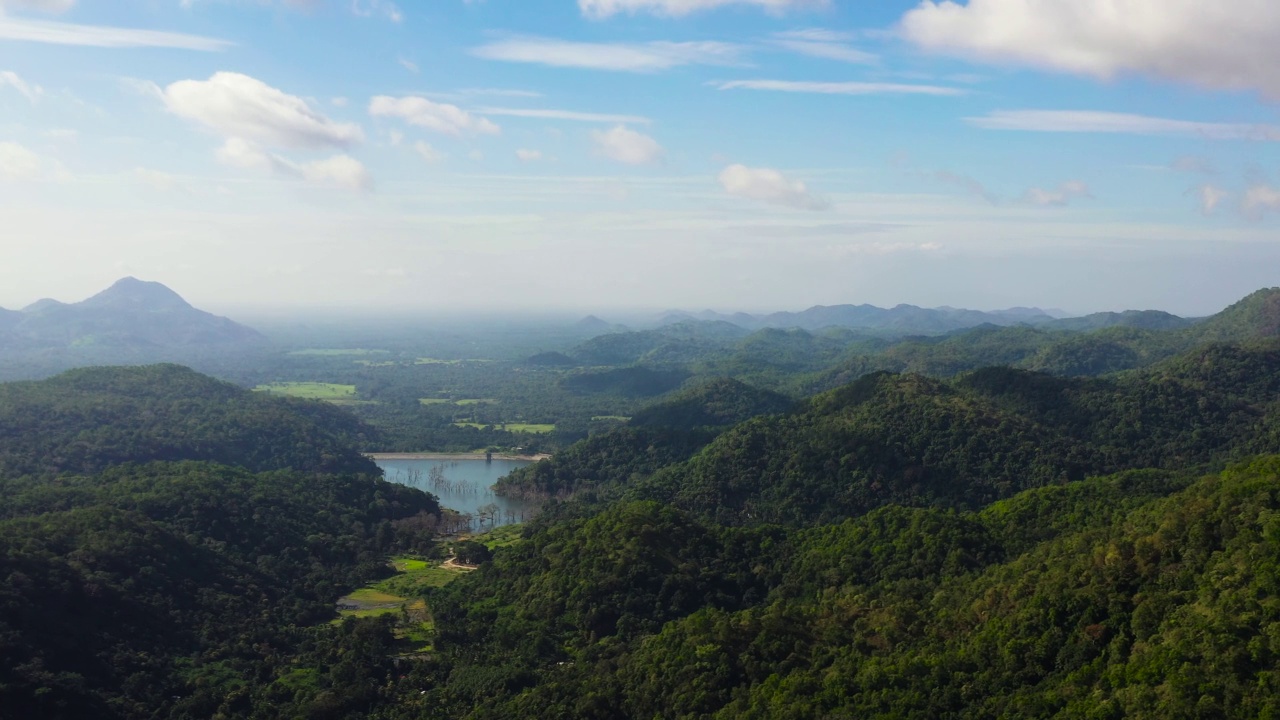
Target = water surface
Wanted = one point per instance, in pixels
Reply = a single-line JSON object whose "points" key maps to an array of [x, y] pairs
{"points": [[462, 485]]}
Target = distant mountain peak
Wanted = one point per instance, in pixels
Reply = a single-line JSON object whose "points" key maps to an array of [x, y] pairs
{"points": [[141, 294], [42, 305]]}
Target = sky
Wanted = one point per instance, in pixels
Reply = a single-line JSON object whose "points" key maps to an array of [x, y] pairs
{"points": [[447, 155]]}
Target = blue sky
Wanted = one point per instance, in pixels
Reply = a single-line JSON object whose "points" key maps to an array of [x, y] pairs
{"points": [[590, 154]]}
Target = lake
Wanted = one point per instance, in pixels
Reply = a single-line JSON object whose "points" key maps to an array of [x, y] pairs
{"points": [[462, 485]]}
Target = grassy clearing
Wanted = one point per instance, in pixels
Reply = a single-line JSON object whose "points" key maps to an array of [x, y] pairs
{"points": [[400, 595], [435, 401], [329, 392], [377, 363], [339, 352], [476, 401], [504, 536], [374, 595]]}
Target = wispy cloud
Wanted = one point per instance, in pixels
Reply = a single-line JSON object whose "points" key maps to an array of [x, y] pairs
{"points": [[572, 115], [1210, 197], [499, 92], [11, 79], [341, 171], [599, 9], [768, 185], [240, 106], [619, 57], [624, 145], [439, 117], [824, 44], [1059, 196], [1261, 199], [841, 88], [967, 183], [60, 33], [369, 8], [1089, 121], [49, 6]]}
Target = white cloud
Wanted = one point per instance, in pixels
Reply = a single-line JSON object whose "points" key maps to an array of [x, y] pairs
{"points": [[408, 65], [500, 92], [395, 137], [240, 153], [18, 163], [967, 183], [341, 171], [1089, 121], [769, 186], [1217, 45], [49, 6], [1210, 197], [1059, 196], [239, 106], [627, 146], [438, 117], [564, 115], [339, 102], [11, 79], [623, 57], [599, 9], [1260, 199], [476, 156], [157, 180], [428, 153], [824, 44], [1038, 197], [59, 33], [841, 88], [528, 155], [61, 134], [369, 8]]}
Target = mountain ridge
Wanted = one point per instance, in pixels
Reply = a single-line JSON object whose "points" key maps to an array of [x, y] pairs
{"points": [[131, 315]]}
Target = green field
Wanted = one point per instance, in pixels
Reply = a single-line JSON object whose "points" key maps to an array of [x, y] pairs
{"points": [[476, 401], [400, 595], [530, 428], [504, 536], [435, 401], [329, 392]]}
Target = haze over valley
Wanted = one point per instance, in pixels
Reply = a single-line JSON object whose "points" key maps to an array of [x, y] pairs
{"points": [[613, 359]]}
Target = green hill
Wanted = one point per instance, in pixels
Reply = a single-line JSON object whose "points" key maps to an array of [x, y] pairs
{"points": [[166, 539], [89, 419], [717, 403], [912, 440]]}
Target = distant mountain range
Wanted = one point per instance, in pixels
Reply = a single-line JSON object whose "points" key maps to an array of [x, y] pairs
{"points": [[130, 317], [913, 320]]}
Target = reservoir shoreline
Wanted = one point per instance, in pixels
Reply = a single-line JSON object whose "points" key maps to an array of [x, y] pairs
{"points": [[455, 456]]}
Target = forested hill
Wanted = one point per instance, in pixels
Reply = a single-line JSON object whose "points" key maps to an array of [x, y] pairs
{"points": [[717, 403], [172, 546], [662, 434], [85, 420], [913, 440], [1139, 595]]}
